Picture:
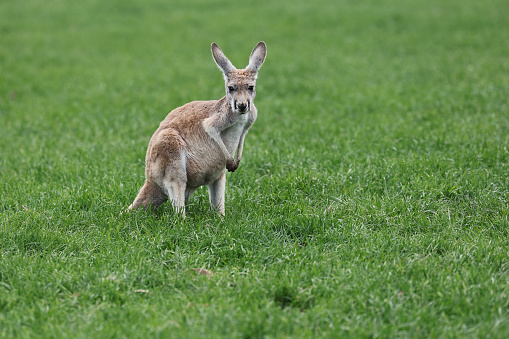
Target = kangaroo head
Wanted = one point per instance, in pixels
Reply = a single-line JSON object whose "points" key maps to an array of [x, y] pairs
{"points": [[240, 83]]}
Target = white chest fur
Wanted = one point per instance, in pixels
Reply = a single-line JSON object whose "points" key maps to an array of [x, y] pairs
{"points": [[231, 135]]}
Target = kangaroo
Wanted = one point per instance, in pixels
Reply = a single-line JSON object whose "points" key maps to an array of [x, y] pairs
{"points": [[196, 143]]}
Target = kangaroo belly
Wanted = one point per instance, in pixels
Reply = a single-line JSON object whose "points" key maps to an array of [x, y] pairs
{"points": [[204, 165], [205, 160]]}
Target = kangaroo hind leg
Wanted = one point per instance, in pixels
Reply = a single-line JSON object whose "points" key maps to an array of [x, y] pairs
{"points": [[177, 193], [175, 183], [216, 194]]}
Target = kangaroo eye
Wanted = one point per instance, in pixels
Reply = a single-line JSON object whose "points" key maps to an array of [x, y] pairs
{"points": [[231, 89], [251, 88]]}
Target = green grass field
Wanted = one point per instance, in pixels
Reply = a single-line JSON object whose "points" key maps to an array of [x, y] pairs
{"points": [[371, 201]]}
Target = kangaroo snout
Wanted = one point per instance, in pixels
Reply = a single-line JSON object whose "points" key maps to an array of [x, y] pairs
{"points": [[242, 107]]}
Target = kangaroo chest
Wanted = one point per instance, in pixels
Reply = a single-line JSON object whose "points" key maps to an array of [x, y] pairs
{"points": [[231, 135]]}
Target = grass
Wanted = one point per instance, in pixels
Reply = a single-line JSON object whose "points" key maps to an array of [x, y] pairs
{"points": [[371, 201]]}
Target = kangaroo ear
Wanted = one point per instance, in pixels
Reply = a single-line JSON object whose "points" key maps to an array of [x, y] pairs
{"points": [[221, 60], [257, 57]]}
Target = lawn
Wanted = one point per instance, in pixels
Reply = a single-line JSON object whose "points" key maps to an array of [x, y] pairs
{"points": [[372, 199]]}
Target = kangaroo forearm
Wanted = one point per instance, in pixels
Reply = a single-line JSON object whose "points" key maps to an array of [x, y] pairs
{"points": [[240, 147]]}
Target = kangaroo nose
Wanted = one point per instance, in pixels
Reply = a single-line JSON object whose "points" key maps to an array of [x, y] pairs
{"points": [[242, 107]]}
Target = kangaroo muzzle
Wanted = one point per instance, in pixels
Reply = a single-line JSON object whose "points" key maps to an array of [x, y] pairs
{"points": [[242, 107]]}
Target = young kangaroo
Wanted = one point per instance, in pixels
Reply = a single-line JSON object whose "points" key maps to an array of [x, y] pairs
{"points": [[196, 143]]}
